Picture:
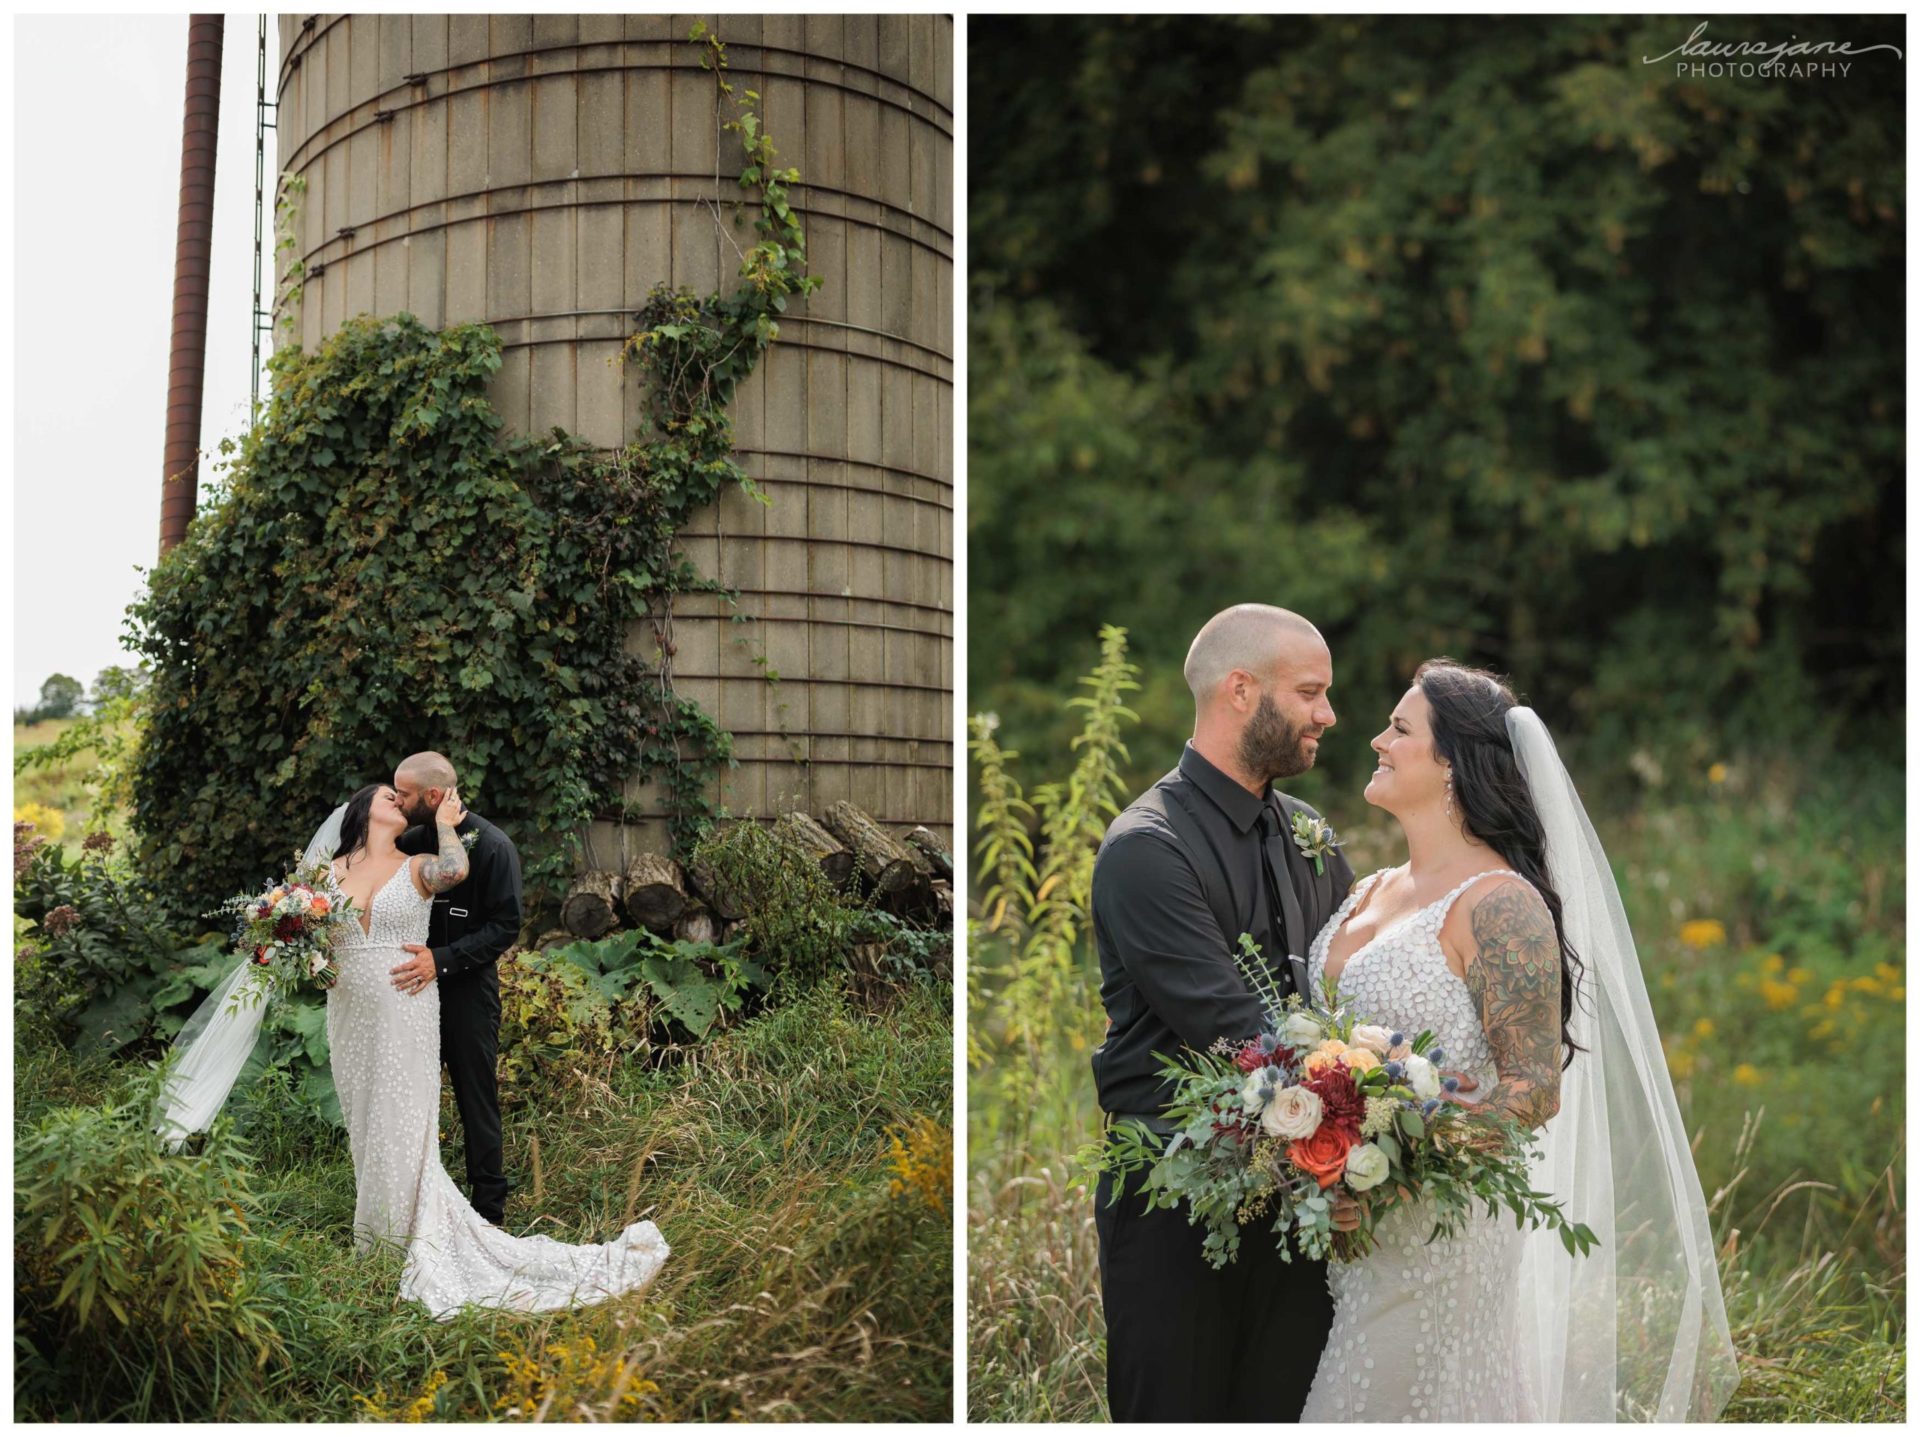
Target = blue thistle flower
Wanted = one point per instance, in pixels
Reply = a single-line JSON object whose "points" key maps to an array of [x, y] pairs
{"points": [[1452, 1085], [1396, 1040], [1268, 1042], [1396, 1070], [1426, 1108], [1436, 1054]]}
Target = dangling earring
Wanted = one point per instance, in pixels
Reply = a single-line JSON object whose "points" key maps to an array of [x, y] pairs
{"points": [[1449, 793]]}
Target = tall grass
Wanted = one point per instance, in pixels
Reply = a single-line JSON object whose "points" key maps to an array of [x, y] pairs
{"points": [[1767, 901], [801, 1286]]}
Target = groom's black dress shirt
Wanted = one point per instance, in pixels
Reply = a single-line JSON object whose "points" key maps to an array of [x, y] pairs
{"points": [[478, 919], [473, 923], [1178, 879]]}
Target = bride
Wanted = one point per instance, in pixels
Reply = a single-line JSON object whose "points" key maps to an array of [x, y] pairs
{"points": [[386, 1067], [1504, 911]]}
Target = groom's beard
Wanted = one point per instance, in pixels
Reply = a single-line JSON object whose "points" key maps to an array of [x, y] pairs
{"points": [[1271, 746], [418, 812]]}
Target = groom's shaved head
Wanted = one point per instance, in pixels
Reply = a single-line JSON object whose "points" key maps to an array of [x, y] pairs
{"points": [[1255, 637], [427, 770]]}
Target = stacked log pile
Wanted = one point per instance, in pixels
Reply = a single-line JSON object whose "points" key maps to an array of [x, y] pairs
{"points": [[909, 875]]}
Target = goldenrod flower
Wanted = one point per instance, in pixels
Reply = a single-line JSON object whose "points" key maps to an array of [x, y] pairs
{"points": [[1703, 933], [1747, 1075], [921, 1156]]}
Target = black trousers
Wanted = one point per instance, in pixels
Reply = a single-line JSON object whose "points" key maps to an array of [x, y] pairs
{"points": [[1189, 1343], [470, 1049]]}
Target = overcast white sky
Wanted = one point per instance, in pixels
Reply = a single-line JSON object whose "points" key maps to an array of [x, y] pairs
{"points": [[98, 111]]}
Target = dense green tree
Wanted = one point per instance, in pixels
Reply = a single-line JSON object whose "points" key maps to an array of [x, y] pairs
{"points": [[1460, 335], [59, 698]]}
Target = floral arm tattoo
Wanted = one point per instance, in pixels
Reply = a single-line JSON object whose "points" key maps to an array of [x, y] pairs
{"points": [[1515, 983], [449, 866]]}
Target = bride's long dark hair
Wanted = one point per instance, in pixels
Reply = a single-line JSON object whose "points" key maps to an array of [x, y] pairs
{"points": [[353, 823], [1469, 708]]}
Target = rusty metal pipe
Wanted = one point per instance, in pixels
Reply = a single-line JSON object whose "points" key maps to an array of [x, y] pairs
{"points": [[192, 271]]}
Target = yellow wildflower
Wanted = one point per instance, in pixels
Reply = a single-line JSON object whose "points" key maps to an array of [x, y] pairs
{"points": [[1773, 963], [1703, 933], [921, 1157], [1747, 1075], [1703, 1027], [50, 823], [1780, 996], [1680, 1063], [1886, 972], [382, 1408], [1799, 975], [1717, 773]]}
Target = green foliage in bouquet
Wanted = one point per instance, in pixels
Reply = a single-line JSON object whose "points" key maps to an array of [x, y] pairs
{"points": [[380, 572], [1446, 1158]]}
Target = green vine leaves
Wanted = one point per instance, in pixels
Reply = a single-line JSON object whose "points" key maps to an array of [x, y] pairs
{"points": [[377, 573]]}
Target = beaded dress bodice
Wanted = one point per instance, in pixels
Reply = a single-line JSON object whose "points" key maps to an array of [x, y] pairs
{"points": [[397, 914], [1400, 979], [1422, 1331]]}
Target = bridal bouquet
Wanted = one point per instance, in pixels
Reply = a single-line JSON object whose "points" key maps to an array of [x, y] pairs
{"points": [[1323, 1102], [288, 930]]}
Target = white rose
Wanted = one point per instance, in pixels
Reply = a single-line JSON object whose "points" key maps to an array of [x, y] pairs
{"points": [[1376, 1040], [1301, 1030], [1422, 1076], [1293, 1114], [1366, 1166]]}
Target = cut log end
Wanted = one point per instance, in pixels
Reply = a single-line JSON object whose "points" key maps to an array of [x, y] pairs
{"points": [[656, 892], [592, 906]]}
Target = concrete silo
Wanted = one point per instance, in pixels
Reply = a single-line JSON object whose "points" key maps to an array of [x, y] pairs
{"points": [[541, 173]]}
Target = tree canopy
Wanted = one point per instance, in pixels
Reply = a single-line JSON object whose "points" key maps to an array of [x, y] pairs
{"points": [[1458, 335]]}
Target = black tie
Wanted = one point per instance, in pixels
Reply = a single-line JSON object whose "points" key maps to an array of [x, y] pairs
{"points": [[1269, 829]]}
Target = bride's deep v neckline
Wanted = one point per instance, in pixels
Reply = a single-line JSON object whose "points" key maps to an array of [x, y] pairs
{"points": [[1326, 962], [365, 920]]}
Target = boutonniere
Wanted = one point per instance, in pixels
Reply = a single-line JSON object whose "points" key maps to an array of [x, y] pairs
{"points": [[1315, 839], [467, 840]]}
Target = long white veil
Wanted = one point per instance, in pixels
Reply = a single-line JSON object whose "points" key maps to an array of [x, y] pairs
{"points": [[217, 1040], [1636, 1330]]}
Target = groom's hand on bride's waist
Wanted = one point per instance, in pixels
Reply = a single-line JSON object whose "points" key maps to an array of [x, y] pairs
{"points": [[413, 975]]}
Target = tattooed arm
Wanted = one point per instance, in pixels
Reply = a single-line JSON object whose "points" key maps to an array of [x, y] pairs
{"points": [[1513, 974], [447, 867]]}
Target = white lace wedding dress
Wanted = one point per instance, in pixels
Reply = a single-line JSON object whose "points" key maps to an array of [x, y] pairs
{"points": [[1422, 1332], [386, 1067]]}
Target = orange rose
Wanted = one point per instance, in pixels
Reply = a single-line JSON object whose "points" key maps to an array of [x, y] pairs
{"points": [[1323, 1157], [320, 904]]}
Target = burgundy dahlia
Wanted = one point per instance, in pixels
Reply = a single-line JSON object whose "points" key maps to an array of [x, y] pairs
{"points": [[1341, 1103]]}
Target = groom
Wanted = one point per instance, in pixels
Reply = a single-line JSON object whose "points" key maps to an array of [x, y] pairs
{"points": [[1203, 856], [473, 923]]}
